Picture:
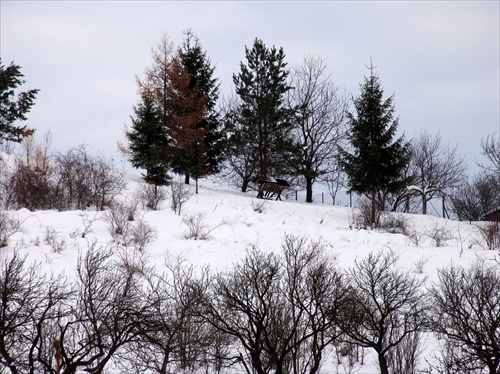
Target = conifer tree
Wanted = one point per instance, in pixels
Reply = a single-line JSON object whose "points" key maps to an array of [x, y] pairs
{"points": [[156, 82], [261, 86], [180, 81], [12, 108], [202, 155], [186, 111], [375, 161], [149, 142]]}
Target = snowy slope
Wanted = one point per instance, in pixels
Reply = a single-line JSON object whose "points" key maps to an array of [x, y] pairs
{"points": [[236, 225]]}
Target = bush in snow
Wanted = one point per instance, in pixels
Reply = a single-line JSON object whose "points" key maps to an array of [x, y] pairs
{"points": [[53, 239], [197, 228], [394, 223], [118, 218], [9, 225], [152, 195], [362, 217], [181, 193], [141, 234], [85, 180], [440, 234], [490, 235], [466, 312]]}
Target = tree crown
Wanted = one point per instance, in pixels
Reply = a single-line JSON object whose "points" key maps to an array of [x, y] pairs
{"points": [[13, 108]]}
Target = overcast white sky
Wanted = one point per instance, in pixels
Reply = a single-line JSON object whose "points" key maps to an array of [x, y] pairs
{"points": [[440, 59]]}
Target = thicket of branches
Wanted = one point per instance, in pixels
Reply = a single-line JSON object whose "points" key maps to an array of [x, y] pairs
{"points": [[35, 179], [275, 312], [481, 194]]}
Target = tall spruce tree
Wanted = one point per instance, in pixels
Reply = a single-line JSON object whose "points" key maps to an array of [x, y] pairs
{"points": [[375, 162], [149, 143], [194, 158], [261, 86], [13, 108]]}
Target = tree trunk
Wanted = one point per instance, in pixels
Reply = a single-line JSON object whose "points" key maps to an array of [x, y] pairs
{"points": [[186, 179], [309, 189], [493, 367], [196, 189], [256, 361], [244, 185], [424, 204], [374, 208], [383, 364], [316, 361], [165, 362]]}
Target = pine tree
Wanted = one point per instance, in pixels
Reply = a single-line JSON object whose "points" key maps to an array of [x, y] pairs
{"points": [[198, 159], [13, 109], [376, 160], [261, 85], [149, 143]]}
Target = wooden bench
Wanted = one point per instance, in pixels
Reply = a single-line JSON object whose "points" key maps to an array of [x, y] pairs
{"points": [[269, 187]]}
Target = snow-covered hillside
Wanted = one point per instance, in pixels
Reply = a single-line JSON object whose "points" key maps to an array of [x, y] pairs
{"points": [[234, 221]]}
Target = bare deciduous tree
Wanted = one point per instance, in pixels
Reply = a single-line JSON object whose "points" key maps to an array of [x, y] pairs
{"points": [[335, 178], [29, 302], [386, 305], [474, 198], [281, 309], [491, 150], [316, 292], [107, 181], [157, 79], [74, 170], [172, 334], [180, 194], [241, 162], [437, 169], [466, 311], [244, 303], [106, 314], [320, 109], [32, 180]]}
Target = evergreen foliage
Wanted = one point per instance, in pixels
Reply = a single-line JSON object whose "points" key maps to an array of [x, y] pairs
{"points": [[375, 162], [262, 127], [181, 84], [185, 109], [14, 109], [202, 155], [149, 143]]}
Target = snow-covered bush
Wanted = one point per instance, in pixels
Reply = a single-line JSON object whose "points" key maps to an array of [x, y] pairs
{"points": [[181, 193], [198, 229], [118, 218], [9, 225], [141, 234], [394, 223], [151, 195], [440, 234], [489, 233]]}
